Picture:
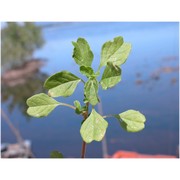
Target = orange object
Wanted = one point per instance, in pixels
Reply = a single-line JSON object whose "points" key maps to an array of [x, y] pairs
{"points": [[131, 154]]}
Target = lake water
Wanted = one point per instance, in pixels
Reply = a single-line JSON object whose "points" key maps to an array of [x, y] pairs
{"points": [[150, 84]]}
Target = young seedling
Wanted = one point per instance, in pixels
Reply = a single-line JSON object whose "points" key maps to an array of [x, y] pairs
{"points": [[93, 127]]}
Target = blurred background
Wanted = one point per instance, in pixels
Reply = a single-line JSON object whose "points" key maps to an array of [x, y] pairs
{"points": [[30, 52]]}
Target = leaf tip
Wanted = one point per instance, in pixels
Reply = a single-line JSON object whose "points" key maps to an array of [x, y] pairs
{"points": [[73, 43], [49, 94]]}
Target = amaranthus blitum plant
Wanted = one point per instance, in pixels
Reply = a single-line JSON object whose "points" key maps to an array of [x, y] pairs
{"points": [[93, 128]]}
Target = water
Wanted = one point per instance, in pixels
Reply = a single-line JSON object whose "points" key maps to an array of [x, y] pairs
{"points": [[147, 85]]}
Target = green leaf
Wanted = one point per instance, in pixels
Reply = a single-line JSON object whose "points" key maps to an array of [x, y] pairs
{"points": [[97, 74], [91, 91], [116, 51], [82, 53], [41, 105], [93, 128], [85, 100], [78, 107], [132, 121], [56, 154], [62, 83], [77, 104], [111, 76], [87, 71]]}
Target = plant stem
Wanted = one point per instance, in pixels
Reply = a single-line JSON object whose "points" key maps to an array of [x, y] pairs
{"points": [[106, 116], [68, 105], [83, 81], [83, 150]]}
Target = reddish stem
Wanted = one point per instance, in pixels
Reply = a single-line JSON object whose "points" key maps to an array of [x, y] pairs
{"points": [[83, 150]]}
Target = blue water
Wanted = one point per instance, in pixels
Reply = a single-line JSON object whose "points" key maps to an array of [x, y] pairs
{"points": [[154, 46]]}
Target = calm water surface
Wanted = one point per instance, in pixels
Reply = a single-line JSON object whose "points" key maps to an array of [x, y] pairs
{"points": [[150, 84]]}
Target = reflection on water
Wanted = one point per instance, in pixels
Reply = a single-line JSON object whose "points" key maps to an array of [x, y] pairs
{"points": [[163, 69], [149, 83], [18, 43], [16, 95]]}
